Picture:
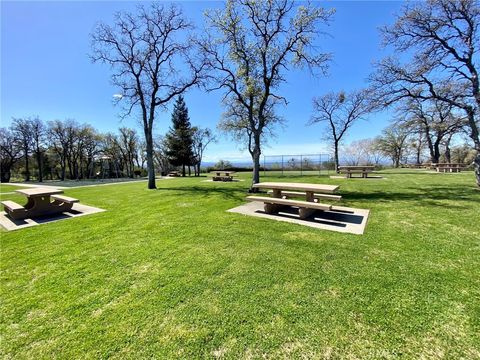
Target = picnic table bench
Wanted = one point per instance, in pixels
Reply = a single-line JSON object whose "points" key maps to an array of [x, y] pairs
{"points": [[448, 167], [281, 191], [173, 173], [357, 169], [218, 175], [39, 203], [414, 166]]}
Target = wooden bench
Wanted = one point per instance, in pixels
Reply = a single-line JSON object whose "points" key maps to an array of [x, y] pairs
{"points": [[64, 201], [449, 169], [305, 208], [350, 172], [287, 194], [222, 178], [220, 175], [13, 209]]}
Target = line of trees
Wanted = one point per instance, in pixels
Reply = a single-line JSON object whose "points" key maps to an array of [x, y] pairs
{"points": [[434, 70], [66, 150], [400, 147], [431, 80], [31, 148]]}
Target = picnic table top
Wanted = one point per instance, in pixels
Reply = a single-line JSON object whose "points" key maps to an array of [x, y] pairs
{"points": [[322, 188], [39, 191], [356, 167], [222, 171], [446, 164]]}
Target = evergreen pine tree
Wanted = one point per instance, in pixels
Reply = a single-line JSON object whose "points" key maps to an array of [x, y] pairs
{"points": [[179, 139]]}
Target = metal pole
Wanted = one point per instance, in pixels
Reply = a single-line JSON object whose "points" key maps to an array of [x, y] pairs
{"points": [[301, 165], [264, 168], [319, 164], [282, 165]]}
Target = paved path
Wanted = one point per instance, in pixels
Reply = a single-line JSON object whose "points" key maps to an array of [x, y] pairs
{"points": [[37, 185], [48, 185]]}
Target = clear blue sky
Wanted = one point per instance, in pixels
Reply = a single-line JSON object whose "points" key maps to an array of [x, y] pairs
{"points": [[45, 71]]}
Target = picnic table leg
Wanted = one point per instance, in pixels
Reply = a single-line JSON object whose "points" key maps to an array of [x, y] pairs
{"points": [[274, 208], [277, 193], [306, 212], [309, 196], [42, 205]]}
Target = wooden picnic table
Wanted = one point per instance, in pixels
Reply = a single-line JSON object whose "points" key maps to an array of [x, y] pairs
{"points": [[308, 188], [39, 203], [448, 167], [218, 175], [351, 169], [311, 192]]}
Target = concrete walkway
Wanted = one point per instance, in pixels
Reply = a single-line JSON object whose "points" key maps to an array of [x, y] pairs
{"points": [[37, 185], [86, 184]]}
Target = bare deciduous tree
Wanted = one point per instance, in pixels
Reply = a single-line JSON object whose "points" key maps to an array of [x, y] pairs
{"points": [[444, 37], [201, 139], [10, 153], [340, 111], [128, 146], [38, 141], [152, 57], [392, 143], [23, 132], [435, 120]]}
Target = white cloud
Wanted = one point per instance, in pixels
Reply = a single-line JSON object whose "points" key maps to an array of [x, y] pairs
{"points": [[117, 96]]}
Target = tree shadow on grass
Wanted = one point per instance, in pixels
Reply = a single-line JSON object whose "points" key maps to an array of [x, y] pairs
{"points": [[426, 196]]}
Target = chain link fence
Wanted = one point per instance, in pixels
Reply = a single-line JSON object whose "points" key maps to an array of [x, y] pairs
{"points": [[297, 165]]}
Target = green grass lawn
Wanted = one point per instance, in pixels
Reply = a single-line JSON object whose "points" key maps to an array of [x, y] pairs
{"points": [[4, 188], [168, 273]]}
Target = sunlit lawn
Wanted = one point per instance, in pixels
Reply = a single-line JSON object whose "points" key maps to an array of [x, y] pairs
{"points": [[168, 273], [4, 188]]}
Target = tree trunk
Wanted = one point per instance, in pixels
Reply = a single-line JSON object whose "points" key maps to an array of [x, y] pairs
{"points": [[475, 136], [256, 169], [189, 171], [5, 172], [418, 155], [5, 176], [436, 152], [335, 145], [448, 156], [476, 166], [63, 165], [40, 166], [255, 153], [27, 170], [183, 170], [150, 165]]}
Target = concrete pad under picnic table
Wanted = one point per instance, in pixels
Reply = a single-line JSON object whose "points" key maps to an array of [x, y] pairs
{"points": [[77, 210], [340, 218]]}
